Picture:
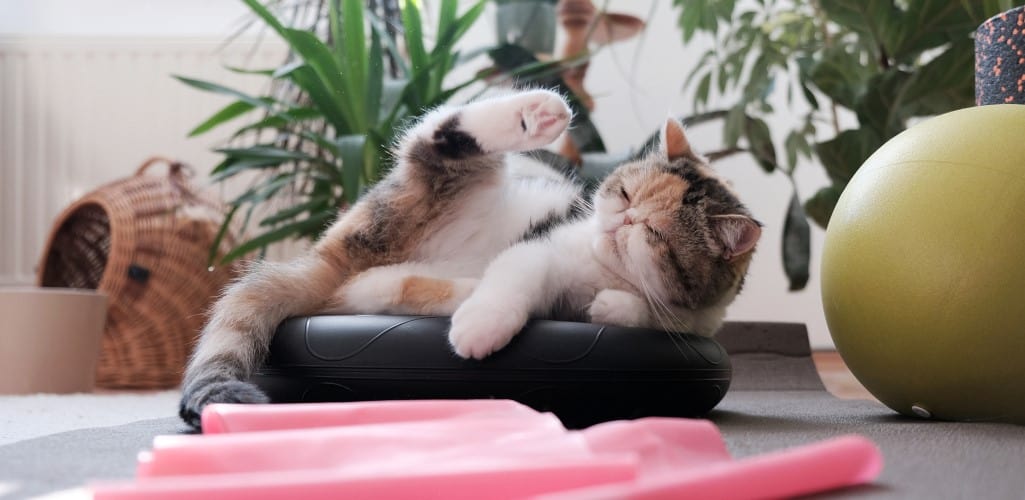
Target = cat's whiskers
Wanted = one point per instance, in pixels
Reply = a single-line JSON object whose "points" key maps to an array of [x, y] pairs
{"points": [[659, 308]]}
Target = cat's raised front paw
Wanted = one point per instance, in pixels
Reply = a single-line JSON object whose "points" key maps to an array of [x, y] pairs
{"points": [[479, 328], [543, 116], [518, 122], [616, 307]]}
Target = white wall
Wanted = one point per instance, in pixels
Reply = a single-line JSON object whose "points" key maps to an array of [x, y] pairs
{"points": [[636, 85], [156, 18]]}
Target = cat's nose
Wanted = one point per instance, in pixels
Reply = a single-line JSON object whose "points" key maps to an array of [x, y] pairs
{"points": [[627, 220]]}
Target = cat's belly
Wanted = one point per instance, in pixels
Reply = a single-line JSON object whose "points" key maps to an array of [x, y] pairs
{"points": [[493, 219]]}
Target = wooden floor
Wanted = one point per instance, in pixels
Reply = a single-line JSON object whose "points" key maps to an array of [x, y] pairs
{"points": [[838, 379]]}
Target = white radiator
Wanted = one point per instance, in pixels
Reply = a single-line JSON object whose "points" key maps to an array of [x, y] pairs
{"points": [[76, 113]]}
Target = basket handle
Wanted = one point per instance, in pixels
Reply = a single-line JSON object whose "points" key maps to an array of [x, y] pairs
{"points": [[175, 169], [177, 172]]}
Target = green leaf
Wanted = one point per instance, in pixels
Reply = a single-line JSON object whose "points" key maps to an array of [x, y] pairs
{"points": [[452, 32], [701, 93], [354, 53], [285, 69], [451, 29], [266, 152], [313, 205], [227, 113], [262, 241], [840, 75], [796, 244], [379, 27], [880, 108], [296, 116], [247, 71], [323, 98], [233, 166], [820, 207], [447, 14], [322, 78], [931, 23], [691, 16], [220, 89], [264, 190], [943, 84], [375, 81], [222, 231], [757, 133], [334, 91], [844, 154], [414, 36], [351, 149], [873, 18], [794, 144], [734, 126]]}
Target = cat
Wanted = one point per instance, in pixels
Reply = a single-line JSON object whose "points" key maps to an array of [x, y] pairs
{"points": [[460, 226]]}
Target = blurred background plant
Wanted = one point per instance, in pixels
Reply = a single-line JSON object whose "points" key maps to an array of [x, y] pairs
{"points": [[355, 73], [884, 62]]}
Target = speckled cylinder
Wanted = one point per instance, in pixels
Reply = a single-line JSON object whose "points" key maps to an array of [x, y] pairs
{"points": [[1000, 59]]}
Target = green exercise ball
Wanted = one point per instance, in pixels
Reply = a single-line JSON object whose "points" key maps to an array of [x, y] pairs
{"points": [[923, 268]]}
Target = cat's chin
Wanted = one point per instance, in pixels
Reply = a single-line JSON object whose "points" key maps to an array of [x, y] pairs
{"points": [[607, 251]]}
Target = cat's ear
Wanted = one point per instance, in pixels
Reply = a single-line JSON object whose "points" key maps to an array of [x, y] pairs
{"points": [[737, 234], [674, 141]]}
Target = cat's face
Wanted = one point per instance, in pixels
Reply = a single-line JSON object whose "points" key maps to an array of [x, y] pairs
{"points": [[673, 228]]}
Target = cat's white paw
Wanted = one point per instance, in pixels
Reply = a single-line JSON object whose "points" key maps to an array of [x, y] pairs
{"points": [[543, 115], [616, 307], [518, 122], [480, 328]]}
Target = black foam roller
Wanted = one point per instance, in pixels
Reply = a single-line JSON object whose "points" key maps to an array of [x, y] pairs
{"points": [[1000, 59], [583, 373]]}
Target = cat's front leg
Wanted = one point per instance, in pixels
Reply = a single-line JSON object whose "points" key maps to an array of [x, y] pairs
{"points": [[620, 308], [485, 323], [518, 283]]}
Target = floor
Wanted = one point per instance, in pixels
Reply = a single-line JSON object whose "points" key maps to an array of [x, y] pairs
{"points": [[23, 417], [837, 378]]}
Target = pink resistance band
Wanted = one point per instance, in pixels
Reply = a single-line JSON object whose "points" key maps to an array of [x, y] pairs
{"points": [[472, 450]]}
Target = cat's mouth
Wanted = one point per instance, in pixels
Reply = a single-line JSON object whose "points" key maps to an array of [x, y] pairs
{"points": [[614, 235]]}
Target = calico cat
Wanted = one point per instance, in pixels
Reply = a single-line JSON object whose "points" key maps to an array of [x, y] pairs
{"points": [[461, 227]]}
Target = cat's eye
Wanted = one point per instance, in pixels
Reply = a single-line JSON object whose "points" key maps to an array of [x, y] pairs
{"points": [[622, 192], [523, 124]]}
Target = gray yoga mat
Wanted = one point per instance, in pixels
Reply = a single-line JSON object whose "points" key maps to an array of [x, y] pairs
{"points": [[776, 401]]}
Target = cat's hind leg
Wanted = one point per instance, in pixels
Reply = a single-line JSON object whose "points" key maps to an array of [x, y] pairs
{"points": [[235, 339], [400, 289]]}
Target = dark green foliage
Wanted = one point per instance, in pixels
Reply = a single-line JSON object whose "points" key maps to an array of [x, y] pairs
{"points": [[885, 61]]}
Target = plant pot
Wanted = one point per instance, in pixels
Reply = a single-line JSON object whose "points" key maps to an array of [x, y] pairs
{"points": [[50, 340], [527, 23]]}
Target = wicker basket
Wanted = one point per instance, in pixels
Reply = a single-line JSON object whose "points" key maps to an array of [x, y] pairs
{"points": [[145, 241]]}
